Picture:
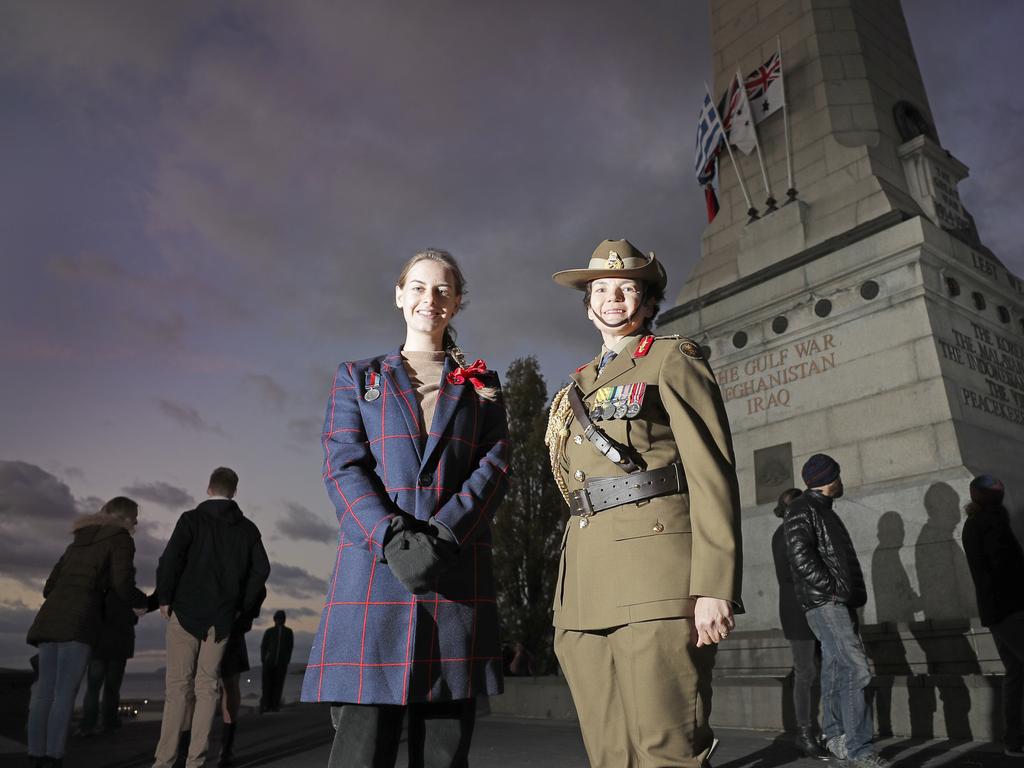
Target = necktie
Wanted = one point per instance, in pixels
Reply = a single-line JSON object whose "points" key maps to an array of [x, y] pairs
{"points": [[607, 358]]}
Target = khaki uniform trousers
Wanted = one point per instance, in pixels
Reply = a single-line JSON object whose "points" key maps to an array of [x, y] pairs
{"points": [[193, 675], [642, 692]]}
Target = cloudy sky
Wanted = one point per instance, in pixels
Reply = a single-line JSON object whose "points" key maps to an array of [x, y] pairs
{"points": [[204, 207]]}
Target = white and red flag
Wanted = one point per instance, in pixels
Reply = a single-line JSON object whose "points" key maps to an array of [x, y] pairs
{"points": [[739, 122]]}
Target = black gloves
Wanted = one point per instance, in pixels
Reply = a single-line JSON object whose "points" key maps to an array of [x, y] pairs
{"points": [[418, 552]]}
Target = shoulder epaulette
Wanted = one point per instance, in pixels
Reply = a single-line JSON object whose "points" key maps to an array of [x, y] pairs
{"points": [[687, 346]]}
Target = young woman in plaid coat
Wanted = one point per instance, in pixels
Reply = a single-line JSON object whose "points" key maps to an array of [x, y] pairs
{"points": [[415, 462]]}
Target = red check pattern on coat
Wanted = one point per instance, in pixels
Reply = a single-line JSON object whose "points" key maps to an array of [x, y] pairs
{"points": [[377, 643]]}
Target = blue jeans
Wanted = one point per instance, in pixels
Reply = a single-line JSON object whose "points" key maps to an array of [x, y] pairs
{"points": [[844, 676], [61, 666]]}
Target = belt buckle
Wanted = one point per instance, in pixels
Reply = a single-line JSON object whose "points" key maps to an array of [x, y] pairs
{"points": [[586, 511]]}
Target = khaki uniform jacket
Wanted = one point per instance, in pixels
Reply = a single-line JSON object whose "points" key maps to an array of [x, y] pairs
{"points": [[651, 559]]}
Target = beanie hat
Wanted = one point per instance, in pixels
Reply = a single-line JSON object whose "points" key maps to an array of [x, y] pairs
{"points": [[820, 470], [987, 491]]}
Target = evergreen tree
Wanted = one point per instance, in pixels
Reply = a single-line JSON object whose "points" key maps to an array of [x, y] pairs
{"points": [[528, 525]]}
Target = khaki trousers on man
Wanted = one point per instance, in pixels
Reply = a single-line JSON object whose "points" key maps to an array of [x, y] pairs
{"points": [[642, 692], [191, 664]]}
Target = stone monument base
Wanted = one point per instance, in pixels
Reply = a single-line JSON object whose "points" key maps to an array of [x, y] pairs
{"points": [[922, 686]]}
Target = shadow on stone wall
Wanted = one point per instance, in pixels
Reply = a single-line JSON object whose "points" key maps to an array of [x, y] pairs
{"points": [[895, 601], [947, 593]]}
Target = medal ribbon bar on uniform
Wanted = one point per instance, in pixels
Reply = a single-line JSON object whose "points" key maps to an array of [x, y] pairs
{"points": [[621, 402]]}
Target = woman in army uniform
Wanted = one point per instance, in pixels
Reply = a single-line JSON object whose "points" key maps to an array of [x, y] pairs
{"points": [[649, 578]]}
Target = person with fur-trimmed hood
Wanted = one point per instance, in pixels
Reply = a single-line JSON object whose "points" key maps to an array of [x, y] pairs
{"points": [[99, 559]]}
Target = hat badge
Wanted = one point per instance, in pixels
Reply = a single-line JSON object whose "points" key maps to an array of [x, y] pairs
{"points": [[614, 261]]}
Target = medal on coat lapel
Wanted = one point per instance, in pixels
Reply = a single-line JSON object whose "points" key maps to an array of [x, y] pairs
{"points": [[371, 383]]}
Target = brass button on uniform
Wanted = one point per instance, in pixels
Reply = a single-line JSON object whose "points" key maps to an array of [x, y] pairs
{"points": [[658, 527], [578, 439], [580, 475]]}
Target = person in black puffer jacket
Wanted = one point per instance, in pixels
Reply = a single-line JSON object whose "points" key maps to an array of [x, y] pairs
{"points": [[996, 561], [802, 642], [829, 585], [100, 558]]}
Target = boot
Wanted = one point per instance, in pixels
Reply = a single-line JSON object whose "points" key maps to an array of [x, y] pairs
{"points": [[807, 742], [227, 742]]}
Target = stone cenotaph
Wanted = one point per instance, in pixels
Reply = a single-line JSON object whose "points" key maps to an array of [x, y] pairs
{"points": [[864, 319]]}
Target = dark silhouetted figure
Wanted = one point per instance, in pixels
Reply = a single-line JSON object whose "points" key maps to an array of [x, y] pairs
{"points": [[802, 641], [275, 654], [114, 646], [997, 566], [234, 663]]}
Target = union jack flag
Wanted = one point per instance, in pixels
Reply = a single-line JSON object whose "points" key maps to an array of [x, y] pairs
{"points": [[764, 88]]}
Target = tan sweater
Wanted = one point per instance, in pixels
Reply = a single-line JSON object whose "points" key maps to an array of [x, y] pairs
{"points": [[424, 369]]}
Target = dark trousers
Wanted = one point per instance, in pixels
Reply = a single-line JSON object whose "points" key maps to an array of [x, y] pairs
{"points": [[273, 685], [1009, 637], [367, 735], [105, 674], [805, 677]]}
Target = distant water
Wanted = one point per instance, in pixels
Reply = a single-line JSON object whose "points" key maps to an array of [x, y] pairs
{"points": [[150, 685]]}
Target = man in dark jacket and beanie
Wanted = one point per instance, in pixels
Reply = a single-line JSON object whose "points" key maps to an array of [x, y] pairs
{"points": [[802, 642], [829, 585], [211, 573], [997, 566]]}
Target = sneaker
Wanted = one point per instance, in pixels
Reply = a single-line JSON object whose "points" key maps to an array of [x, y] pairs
{"points": [[870, 760], [837, 746]]}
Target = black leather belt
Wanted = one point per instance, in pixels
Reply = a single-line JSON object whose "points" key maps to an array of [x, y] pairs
{"points": [[601, 493]]}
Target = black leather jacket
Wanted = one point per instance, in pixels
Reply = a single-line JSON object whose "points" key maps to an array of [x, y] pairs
{"points": [[821, 554]]}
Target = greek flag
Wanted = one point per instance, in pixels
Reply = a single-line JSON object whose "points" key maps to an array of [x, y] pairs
{"points": [[709, 137]]}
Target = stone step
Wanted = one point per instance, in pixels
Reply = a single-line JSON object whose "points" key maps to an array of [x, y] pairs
{"points": [[918, 706]]}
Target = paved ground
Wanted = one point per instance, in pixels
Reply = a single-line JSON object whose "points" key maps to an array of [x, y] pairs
{"points": [[300, 736]]}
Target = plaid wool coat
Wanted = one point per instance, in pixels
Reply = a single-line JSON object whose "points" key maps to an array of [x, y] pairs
{"points": [[377, 643]]}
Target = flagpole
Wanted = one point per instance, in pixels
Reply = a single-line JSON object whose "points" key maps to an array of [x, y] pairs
{"points": [[791, 192], [751, 210], [770, 202]]}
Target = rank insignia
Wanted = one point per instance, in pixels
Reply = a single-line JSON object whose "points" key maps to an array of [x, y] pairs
{"points": [[614, 261], [643, 347], [690, 349], [371, 385]]}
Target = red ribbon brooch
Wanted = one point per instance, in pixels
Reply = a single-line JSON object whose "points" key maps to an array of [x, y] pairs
{"points": [[472, 372]]}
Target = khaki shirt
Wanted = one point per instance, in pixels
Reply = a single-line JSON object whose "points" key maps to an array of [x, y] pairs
{"points": [[651, 559]]}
